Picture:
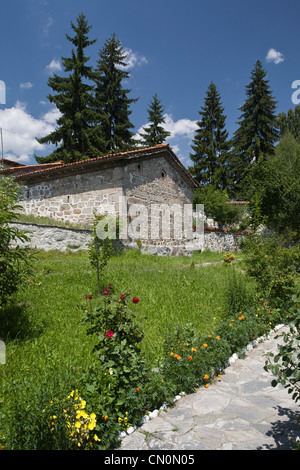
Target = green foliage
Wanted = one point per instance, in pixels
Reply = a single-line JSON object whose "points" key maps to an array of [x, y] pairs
{"points": [[274, 184], [101, 246], [289, 122], [239, 329], [239, 295], [211, 144], [112, 101], [76, 134], [122, 369], [285, 365], [272, 264], [15, 263], [257, 134], [216, 205], [154, 133]]}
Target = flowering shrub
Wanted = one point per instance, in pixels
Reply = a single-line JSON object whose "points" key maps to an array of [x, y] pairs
{"points": [[190, 360], [121, 372], [79, 425], [228, 257]]}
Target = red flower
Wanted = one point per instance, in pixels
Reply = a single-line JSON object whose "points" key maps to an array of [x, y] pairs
{"points": [[88, 296], [109, 333], [137, 389], [135, 300], [105, 292]]}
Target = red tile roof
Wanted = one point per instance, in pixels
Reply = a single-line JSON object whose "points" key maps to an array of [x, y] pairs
{"points": [[47, 168]]}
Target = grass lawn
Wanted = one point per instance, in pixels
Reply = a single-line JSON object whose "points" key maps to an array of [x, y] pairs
{"points": [[45, 340]]}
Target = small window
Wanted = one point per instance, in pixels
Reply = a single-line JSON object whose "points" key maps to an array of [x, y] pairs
{"points": [[163, 173]]}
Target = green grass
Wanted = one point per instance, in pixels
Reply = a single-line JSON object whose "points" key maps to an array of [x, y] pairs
{"points": [[46, 342]]}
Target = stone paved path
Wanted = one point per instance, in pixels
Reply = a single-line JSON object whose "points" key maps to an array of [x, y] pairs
{"points": [[241, 411]]}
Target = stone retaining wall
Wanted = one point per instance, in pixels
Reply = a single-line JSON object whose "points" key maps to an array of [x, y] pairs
{"points": [[62, 239]]}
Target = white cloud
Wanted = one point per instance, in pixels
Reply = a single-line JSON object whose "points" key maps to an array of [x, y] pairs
{"points": [[181, 128], [134, 59], [47, 25], [54, 66], [26, 85], [274, 56], [20, 130]]}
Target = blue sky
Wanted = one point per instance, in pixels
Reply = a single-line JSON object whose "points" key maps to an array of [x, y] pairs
{"points": [[175, 49]]}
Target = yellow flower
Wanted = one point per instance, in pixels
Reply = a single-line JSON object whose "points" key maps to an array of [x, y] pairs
{"points": [[91, 425], [77, 424], [83, 403], [96, 438], [92, 416], [205, 345], [206, 377], [194, 350], [206, 385]]}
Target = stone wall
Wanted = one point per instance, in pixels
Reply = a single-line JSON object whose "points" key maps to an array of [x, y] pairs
{"points": [[63, 239]]}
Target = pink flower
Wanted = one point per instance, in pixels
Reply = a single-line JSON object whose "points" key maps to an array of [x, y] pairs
{"points": [[105, 292], [109, 333], [135, 300]]}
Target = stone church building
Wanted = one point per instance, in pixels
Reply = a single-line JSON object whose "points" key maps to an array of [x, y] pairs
{"points": [[72, 192]]}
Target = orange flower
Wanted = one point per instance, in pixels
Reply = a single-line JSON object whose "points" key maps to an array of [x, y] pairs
{"points": [[194, 350], [242, 317], [206, 377], [219, 376], [206, 385], [209, 336], [177, 356], [217, 337], [204, 345], [137, 389], [190, 358]]}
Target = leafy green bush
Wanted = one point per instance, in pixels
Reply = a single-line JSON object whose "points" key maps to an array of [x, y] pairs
{"points": [[286, 365], [15, 263], [216, 205], [272, 264]]}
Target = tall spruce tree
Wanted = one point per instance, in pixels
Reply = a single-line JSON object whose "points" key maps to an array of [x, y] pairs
{"points": [[211, 144], [112, 101], [257, 133], [154, 133], [76, 134]]}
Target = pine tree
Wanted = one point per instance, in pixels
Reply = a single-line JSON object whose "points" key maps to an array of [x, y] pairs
{"points": [[210, 144], [154, 133], [112, 102], [76, 133], [257, 134]]}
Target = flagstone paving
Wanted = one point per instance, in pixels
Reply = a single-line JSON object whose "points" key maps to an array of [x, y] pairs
{"points": [[240, 411]]}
